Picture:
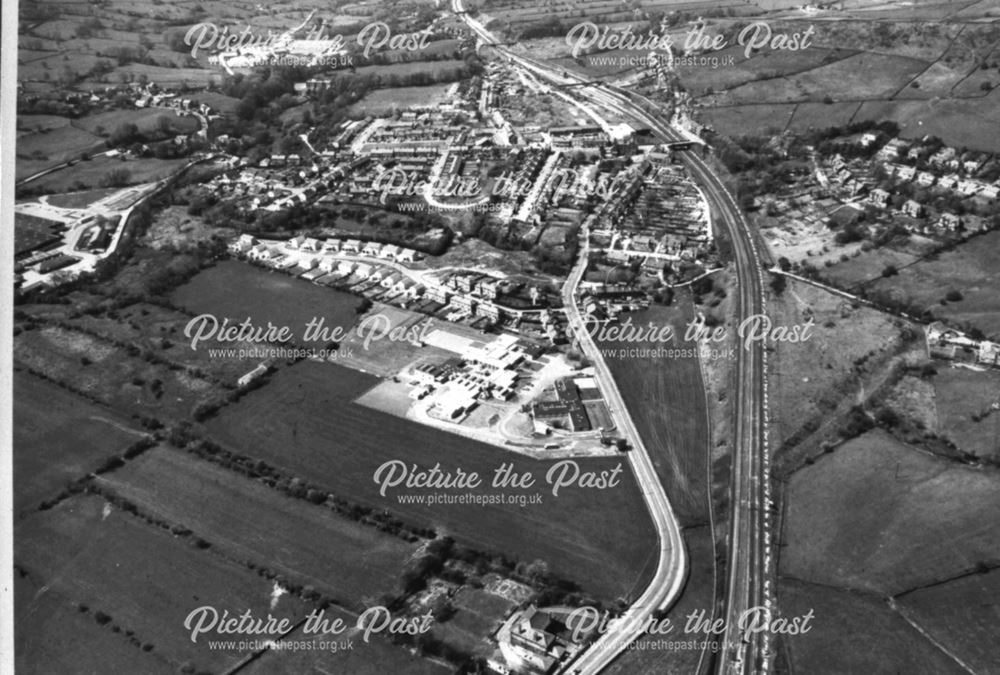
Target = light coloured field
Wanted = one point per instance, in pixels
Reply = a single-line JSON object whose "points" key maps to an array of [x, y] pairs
{"points": [[810, 379], [959, 395], [382, 101], [967, 123]]}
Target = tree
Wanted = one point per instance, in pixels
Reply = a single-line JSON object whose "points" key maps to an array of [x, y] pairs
{"points": [[778, 284], [889, 271]]}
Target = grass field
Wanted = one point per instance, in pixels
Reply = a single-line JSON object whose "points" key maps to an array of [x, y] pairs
{"points": [[376, 657], [309, 544], [59, 437], [854, 633], [49, 148], [384, 101], [959, 614], [144, 578], [665, 397], [812, 378], [237, 290], [106, 371], [160, 331], [478, 614], [78, 200], [968, 122], [84, 646], [304, 421], [958, 395], [821, 115], [745, 120], [878, 516], [862, 76], [972, 268], [94, 172], [147, 120], [855, 272]]}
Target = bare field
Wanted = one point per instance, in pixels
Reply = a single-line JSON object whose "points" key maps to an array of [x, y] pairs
{"points": [[877, 516], [665, 399], [305, 422]]}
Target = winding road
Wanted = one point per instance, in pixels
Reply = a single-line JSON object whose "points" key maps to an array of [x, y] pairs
{"points": [[750, 557]]}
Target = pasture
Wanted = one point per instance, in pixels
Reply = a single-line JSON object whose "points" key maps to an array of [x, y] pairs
{"points": [[877, 516], [309, 544], [854, 633], [145, 579], [59, 437]]}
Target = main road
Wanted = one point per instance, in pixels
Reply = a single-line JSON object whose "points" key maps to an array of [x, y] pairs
{"points": [[748, 584], [671, 570]]}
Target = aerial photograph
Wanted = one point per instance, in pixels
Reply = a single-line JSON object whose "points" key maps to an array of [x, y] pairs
{"points": [[507, 337]]}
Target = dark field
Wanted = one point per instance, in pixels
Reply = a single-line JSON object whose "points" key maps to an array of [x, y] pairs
{"points": [[854, 633], [309, 544], [962, 615], [237, 290], [59, 437], [85, 646], [304, 421], [144, 578]]}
